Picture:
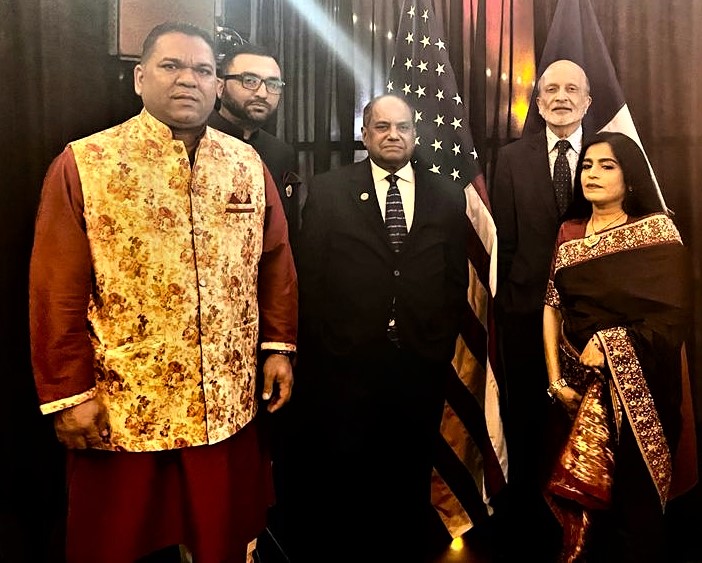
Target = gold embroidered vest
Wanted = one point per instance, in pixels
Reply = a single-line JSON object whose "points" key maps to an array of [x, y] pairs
{"points": [[173, 313]]}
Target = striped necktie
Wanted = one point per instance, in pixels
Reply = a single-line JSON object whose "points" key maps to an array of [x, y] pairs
{"points": [[397, 231], [395, 215]]}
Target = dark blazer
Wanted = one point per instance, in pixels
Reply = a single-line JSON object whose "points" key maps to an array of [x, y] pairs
{"points": [[349, 273], [525, 213]]}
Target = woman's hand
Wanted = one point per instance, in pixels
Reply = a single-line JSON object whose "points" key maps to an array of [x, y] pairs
{"points": [[592, 354], [570, 399]]}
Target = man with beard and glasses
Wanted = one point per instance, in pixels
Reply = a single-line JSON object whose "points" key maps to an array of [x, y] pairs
{"points": [[249, 95]]}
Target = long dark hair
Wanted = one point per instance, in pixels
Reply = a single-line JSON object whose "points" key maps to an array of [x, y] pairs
{"points": [[641, 195]]}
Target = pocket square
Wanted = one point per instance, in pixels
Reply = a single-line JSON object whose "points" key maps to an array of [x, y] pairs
{"points": [[235, 205]]}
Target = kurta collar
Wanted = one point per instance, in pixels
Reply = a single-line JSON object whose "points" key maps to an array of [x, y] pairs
{"points": [[160, 129]]}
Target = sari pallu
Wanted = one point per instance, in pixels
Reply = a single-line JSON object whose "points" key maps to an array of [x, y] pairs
{"points": [[629, 288]]}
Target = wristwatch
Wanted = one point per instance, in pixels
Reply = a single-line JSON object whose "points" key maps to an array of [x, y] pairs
{"points": [[555, 387], [289, 353]]}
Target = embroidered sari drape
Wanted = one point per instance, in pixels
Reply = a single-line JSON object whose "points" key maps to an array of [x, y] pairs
{"points": [[630, 288]]}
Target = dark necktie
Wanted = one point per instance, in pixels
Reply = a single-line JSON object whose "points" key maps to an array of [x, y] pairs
{"points": [[397, 231], [395, 215], [561, 178]]}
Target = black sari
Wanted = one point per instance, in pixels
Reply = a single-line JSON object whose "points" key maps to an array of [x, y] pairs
{"points": [[629, 286]]}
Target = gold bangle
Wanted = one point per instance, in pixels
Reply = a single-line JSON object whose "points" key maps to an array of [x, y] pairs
{"points": [[555, 387]]}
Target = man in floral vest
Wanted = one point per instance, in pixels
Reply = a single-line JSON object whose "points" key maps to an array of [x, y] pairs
{"points": [[161, 273]]}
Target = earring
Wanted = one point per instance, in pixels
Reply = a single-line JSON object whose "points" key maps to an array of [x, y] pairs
{"points": [[630, 189]]}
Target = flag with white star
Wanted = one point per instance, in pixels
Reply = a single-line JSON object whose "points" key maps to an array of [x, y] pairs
{"points": [[471, 463], [421, 72]]}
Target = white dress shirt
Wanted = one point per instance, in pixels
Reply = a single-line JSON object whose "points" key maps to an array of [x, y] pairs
{"points": [[405, 183], [576, 145]]}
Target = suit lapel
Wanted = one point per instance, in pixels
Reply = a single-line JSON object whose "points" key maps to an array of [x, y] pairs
{"points": [[543, 183], [423, 202], [361, 190]]}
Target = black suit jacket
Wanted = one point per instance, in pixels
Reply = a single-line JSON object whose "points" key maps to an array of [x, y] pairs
{"points": [[349, 273], [526, 216]]}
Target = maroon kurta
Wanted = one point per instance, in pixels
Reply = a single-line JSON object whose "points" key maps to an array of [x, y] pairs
{"points": [[124, 505]]}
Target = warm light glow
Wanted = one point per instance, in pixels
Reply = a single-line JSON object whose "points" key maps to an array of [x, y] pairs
{"points": [[520, 107], [457, 544], [504, 77], [488, 72]]}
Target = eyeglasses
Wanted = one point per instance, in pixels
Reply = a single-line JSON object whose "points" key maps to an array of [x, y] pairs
{"points": [[253, 82]]}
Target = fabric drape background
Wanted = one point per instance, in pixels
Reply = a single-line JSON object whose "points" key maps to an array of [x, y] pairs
{"points": [[60, 83]]}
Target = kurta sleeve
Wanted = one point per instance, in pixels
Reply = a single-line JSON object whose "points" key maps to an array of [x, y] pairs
{"points": [[59, 292], [277, 278]]}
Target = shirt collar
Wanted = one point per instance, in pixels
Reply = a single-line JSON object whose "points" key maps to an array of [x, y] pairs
{"points": [[405, 173], [575, 139]]}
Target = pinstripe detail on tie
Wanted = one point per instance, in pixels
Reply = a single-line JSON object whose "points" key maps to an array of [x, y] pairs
{"points": [[394, 214], [397, 231]]}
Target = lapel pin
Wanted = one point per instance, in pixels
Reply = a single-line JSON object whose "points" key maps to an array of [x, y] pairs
{"points": [[364, 196]]}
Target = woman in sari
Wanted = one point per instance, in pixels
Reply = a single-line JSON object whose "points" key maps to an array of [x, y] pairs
{"points": [[615, 317]]}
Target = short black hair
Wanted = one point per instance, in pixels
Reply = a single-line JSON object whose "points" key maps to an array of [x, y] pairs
{"points": [[173, 27], [245, 49], [641, 196], [368, 109]]}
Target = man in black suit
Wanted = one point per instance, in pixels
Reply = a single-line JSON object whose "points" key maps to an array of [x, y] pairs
{"points": [[527, 215], [249, 94], [383, 281]]}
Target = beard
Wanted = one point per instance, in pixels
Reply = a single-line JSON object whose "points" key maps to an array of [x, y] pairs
{"points": [[251, 117]]}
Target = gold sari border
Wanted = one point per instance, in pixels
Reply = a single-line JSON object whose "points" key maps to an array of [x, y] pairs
{"points": [[649, 231], [638, 404], [553, 298]]}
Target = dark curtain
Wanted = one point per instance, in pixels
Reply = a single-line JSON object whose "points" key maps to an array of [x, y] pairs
{"points": [[59, 84], [335, 56]]}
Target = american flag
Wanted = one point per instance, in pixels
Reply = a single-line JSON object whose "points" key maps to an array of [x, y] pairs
{"points": [[471, 463]]}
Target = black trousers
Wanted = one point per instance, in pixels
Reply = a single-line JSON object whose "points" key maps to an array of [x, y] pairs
{"points": [[359, 488], [525, 512]]}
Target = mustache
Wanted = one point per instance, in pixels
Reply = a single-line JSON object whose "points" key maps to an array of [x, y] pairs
{"points": [[258, 103]]}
